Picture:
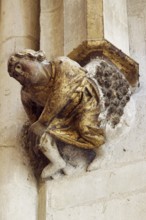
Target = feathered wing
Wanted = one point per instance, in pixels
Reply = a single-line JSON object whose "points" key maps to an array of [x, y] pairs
{"points": [[113, 86]]}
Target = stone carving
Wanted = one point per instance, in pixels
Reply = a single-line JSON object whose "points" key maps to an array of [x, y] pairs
{"points": [[67, 102]]}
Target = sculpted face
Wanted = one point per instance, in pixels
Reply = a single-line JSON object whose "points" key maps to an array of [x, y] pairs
{"points": [[24, 70], [29, 67]]}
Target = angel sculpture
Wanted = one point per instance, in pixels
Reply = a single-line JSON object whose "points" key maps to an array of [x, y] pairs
{"points": [[65, 102]]}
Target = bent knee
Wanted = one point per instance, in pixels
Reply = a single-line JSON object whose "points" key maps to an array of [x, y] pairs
{"points": [[45, 140], [93, 135]]}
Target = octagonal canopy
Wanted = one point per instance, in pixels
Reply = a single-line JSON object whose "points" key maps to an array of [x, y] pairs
{"points": [[91, 48]]}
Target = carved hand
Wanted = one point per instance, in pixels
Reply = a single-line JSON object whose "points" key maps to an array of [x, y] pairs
{"points": [[37, 128], [35, 132]]}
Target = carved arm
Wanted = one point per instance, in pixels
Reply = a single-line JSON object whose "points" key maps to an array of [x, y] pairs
{"points": [[32, 109]]}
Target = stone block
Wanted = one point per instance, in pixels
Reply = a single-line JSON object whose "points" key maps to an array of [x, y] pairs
{"points": [[18, 188], [131, 207], [94, 187]]}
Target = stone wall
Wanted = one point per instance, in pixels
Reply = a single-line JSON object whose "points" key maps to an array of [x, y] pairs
{"points": [[117, 190], [63, 26], [18, 188], [116, 24]]}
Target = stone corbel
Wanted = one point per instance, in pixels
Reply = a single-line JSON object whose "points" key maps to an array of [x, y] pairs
{"points": [[96, 98], [70, 104]]}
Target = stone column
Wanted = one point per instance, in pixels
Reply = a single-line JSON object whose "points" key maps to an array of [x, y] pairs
{"points": [[19, 28], [52, 28], [95, 27], [63, 26], [75, 31], [108, 20]]}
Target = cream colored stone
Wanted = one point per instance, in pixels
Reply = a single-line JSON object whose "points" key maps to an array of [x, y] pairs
{"points": [[18, 189], [42, 202], [16, 33], [101, 189], [95, 20], [130, 208], [96, 186], [74, 24], [18, 25], [19, 29], [117, 190], [137, 26], [52, 28], [116, 24]]}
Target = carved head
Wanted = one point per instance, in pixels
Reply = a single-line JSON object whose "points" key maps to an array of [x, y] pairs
{"points": [[27, 66]]}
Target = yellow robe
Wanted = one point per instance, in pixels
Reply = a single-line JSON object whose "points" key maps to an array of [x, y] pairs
{"points": [[73, 106]]}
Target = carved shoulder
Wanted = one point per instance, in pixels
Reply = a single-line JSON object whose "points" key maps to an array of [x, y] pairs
{"points": [[68, 75]]}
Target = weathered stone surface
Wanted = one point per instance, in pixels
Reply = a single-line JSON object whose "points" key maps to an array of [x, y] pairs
{"points": [[14, 36], [99, 189], [95, 27], [107, 19], [121, 177], [116, 24], [137, 24], [17, 185], [117, 190], [19, 28], [74, 24], [90, 49], [52, 28], [132, 208]]}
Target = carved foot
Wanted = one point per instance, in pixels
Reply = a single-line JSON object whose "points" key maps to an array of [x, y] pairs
{"points": [[101, 153], [69, 170], [95, 165], [52, 169], [49, 149]]}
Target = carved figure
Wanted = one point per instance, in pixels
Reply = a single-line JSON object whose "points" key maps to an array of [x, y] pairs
{"points": [[63, 102]]}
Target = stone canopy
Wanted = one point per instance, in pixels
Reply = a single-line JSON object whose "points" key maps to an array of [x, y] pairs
{"points": [[91, 48]]}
